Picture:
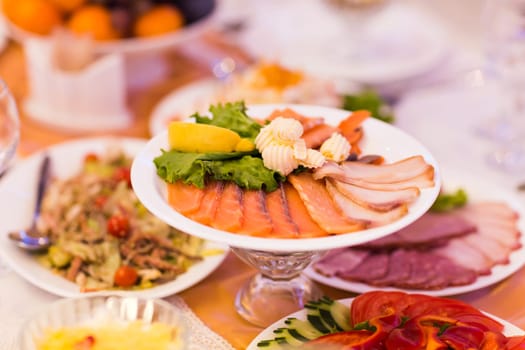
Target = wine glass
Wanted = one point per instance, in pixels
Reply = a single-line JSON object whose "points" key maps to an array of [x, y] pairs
{"points": [[9, 127], [505, 45], [9, 133]]}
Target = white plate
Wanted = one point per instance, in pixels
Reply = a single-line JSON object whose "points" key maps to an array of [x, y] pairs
{"points": [[395, 42], [183, 102], [17, 194], [380, 138], [476, 190], [509, 329]]}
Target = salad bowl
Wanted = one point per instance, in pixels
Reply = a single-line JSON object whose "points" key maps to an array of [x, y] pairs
{"points": [[280, 287]]}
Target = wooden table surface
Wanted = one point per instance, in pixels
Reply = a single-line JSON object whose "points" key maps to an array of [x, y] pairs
{"points": [[213, 299]]}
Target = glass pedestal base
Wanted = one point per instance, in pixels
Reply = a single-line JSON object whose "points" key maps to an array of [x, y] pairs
{"points": [[278, 289]]}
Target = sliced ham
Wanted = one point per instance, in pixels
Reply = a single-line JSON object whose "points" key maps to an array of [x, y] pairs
{"points": [[438, 250], [373, 267], [492, 209], [355, 211], [431, 229], [509, 239], [340, 260], [498, 253], [377, 199], [466, 256]]}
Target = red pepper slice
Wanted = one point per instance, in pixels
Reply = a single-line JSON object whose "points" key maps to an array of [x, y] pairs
{"points": [[339, 341], [514, 343]]}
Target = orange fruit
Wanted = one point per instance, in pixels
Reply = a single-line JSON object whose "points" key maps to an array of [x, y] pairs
{"points": [[94, 20], [37, 16], [160, 19], [68, 5]]}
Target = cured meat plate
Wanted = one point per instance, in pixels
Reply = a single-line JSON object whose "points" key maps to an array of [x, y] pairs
{"points": [[478, 191]]}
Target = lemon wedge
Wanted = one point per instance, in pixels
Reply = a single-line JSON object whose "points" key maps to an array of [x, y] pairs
{"points": [[201, 138]]}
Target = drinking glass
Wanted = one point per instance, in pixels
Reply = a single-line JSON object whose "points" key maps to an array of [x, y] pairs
{"points": [[9, 134], [9, 127], [505, 52]]}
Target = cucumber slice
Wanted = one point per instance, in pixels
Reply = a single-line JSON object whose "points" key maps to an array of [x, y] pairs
{"points": [[302, 329], [323, 316], [272, 344], [336, 314]]}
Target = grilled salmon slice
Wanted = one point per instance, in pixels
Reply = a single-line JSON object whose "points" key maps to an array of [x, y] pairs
{"points": [[320, 205], [184, 198], [257, 221], [300, 216], [282, 224], [229, 216]]}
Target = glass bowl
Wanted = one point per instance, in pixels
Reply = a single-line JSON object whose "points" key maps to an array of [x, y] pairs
{"points": [[94, 311]]}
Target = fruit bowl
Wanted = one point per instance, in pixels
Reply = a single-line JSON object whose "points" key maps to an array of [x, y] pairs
{"points": [[280, 261], [199, 14]]}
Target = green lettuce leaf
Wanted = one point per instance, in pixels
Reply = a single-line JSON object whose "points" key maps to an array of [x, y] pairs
{"points": [[244, 169], [231, 115], [449, 201]]}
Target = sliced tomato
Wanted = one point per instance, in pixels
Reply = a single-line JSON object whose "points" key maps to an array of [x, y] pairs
{"points": [[439, 307], [373, 304]]}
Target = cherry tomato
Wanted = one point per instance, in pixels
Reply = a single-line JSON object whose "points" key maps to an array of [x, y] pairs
{"points": [[122, 174], [125, 276], [90, 157], [100, 201], [118, 226]]}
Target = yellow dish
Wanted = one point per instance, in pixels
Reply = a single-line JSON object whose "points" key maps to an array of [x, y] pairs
{"points": [[136, 335]]}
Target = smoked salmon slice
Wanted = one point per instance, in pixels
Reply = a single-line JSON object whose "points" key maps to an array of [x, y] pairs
{"points": [[184, 198], [299, 214], [257, 221], [229, 216], [282, 224], [209, 203], [320, 205], [315, 137], [307, 122]]}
